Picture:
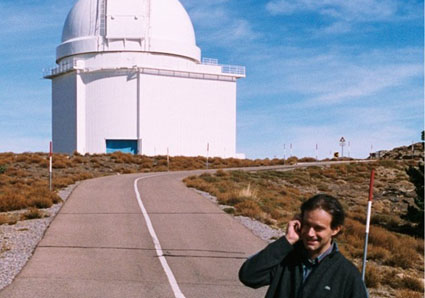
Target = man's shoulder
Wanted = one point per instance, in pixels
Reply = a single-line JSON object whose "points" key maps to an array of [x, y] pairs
{"points": [[345, 264]]}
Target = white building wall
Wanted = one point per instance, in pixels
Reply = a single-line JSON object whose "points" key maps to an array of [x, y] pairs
{"points": [[185, 115], [64, 113], [111, 108]]}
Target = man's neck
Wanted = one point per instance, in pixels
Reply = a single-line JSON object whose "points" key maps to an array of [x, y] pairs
{"points": [[313, 255]]}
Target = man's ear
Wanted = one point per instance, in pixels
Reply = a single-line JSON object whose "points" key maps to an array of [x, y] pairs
{"points": [[336, 231]]}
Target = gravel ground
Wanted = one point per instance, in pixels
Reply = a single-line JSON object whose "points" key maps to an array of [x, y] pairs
{"points": [[17, 242]]}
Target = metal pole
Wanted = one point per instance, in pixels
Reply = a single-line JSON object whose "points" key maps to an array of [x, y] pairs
{"points": [[317, 152], [349, 149], [369, 211], [168, 159], [50, 166], [208, 151]]}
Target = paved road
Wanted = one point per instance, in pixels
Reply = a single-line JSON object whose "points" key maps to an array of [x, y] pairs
{"points": [[99, 244]]}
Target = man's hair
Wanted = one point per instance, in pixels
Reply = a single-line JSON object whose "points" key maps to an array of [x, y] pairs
{"points": [[328, 204]]}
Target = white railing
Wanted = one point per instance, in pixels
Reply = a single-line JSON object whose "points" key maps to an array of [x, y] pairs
{"points": [[233, 69], [228, 69], [209, 61], [61, 68]]}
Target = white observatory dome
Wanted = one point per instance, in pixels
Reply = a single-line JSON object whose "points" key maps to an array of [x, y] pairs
{"points": [[159, 26]]}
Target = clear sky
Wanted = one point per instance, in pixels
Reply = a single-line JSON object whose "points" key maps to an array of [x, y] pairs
{"points": [[317, 70]]}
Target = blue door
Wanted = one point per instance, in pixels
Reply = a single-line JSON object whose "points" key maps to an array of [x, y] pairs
{"points": [[125, 146]]}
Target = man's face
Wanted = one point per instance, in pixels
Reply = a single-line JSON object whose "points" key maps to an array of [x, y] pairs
{"points": [[316, 231]]}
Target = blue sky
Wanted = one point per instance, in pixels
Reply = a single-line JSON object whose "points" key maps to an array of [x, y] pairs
{"points": [[317, 70]]}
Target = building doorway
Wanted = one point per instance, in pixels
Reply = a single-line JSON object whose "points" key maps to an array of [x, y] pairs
{"points": [[125, 146]]}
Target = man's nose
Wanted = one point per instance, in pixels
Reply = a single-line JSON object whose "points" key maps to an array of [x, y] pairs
{"points": [[311, 232]]}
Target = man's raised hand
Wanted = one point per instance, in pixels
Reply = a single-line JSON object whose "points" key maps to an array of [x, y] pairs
{"points": [[293, 230]]}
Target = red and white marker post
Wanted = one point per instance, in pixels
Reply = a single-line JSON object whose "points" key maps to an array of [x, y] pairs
{"points": [[369, 211], [50, 166]]}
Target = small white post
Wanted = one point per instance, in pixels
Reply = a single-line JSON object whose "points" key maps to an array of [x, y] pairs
{"points": [[208, 153], [317, 151], [369, 212], [284, 151], [349, 150], [168, 159]]}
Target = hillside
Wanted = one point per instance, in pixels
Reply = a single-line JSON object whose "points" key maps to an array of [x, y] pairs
{"points": [[395, 255]]}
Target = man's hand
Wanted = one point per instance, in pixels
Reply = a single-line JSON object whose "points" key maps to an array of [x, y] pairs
{"points": [[293, 230]]}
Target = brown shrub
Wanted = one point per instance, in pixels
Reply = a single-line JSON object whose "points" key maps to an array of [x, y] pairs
{"points": [[408, 294], [12, 200], [21, 158], [403, 257], [8, 219], [381, 237], [59, 182], [249, 209], [412, 283], [35, 159], [372, 276], [291, 160], [42, 197], [59, 164], [307, 159], [221, 173], [32, 213], [330, 173], [377, 253], [417, 244], [387, 220]]}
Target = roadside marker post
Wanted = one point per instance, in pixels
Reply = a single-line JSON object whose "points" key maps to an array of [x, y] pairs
{"points": [[369, 211], [168, 159], [208, 153], [50, 166]]}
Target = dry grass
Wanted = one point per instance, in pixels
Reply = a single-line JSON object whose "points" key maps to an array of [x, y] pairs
{"points": [[24, 177], [9, 219], [32, 213], [273, 197], [372, 278], [408, 294]]}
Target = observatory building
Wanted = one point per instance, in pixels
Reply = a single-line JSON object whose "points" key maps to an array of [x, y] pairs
{"points": [[130, 77]]}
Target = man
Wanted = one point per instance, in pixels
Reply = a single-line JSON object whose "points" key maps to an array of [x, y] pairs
{"points": [[306, 263]]}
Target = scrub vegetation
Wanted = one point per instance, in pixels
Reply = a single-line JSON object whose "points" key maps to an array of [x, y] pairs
{"points": [[395, 256], [24, 178]]}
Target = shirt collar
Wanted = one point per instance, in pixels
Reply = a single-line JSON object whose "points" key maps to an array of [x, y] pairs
{"points": [[317, 260]]}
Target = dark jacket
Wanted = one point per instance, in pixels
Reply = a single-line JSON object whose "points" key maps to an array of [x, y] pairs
{"points": [[279, 266]]}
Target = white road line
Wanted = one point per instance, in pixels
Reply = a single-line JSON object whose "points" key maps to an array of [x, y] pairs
{"points": [[171, 279]]}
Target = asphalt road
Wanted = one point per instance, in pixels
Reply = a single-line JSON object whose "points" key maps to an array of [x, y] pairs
{"points": [[99, 244]]}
